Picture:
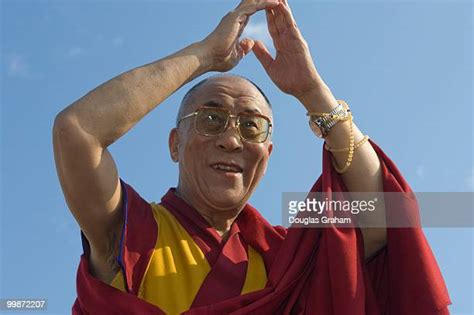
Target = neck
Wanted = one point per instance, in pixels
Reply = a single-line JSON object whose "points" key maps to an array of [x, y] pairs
{"points": [[220, 219]]}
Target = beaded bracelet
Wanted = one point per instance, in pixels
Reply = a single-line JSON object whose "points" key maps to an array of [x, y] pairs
{"points": [[351, 150], [357, 145]]}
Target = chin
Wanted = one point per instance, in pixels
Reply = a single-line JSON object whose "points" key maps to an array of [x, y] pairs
{"points": [[226, 198]]}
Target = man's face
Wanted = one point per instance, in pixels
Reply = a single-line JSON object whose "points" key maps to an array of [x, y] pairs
{"points": [[203, 178]]}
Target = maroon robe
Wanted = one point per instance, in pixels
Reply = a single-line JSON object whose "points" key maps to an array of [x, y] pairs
{"points": [[310, 270]]}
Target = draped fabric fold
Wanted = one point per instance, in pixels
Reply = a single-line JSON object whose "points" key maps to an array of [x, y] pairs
{"points": [[310, 270]]}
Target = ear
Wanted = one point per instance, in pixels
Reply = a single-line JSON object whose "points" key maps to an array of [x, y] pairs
{"points": [[270, 148], [173, 142]]}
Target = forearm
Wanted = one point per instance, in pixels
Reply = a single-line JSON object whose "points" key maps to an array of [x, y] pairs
{"points": [[113, 108], [364, 173]]}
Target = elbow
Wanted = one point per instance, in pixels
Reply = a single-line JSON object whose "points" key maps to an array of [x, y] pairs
{"points": [[68, 131], [63, 125]]}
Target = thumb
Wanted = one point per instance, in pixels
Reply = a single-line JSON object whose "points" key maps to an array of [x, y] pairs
{"points": [[246, 45], [262, 54]]}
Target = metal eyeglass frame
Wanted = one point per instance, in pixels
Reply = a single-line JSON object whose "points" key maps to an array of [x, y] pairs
{"points": [[229, 116]]}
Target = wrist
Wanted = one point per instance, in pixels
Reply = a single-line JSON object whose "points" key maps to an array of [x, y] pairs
{"points": [[319, 99], [204, 56]]}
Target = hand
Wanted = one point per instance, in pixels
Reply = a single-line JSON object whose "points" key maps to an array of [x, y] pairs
{"points": [[223, 46], [292, 70]]}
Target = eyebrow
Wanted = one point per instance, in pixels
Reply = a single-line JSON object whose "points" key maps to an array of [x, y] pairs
{"points": [[219, 105]]}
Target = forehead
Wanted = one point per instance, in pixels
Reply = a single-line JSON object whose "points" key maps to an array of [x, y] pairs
{"points": [[234, 93]]}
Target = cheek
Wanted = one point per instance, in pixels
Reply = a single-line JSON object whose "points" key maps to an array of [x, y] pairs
{"points": [[192, 155], [258, 159]]}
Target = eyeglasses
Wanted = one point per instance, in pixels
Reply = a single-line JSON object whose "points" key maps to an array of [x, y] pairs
{"points": [[211, 121]]}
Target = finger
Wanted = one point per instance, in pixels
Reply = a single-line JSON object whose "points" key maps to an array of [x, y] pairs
{"points": [[256, 3], [287, 16], [271, 23], [243, 48], [266, 4], [286, 22], [280, 22], [249, 9], [263, 55], [246, 45]]}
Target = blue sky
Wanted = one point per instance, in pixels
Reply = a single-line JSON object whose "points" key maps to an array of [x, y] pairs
{"points": [[404, 67]]}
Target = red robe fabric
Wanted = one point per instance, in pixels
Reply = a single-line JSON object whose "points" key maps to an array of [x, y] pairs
{"points": [[310, 270]]}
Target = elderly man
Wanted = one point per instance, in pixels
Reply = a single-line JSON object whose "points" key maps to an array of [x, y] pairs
{"points": [[203, 249]]}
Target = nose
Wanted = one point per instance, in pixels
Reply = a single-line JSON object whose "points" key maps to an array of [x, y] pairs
{"points": [[230, 140]]}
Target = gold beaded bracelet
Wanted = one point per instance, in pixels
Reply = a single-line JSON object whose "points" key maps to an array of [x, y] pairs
{"points": [[351, 150], [357, 145]]}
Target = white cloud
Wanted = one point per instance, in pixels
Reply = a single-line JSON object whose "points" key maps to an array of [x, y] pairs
{"points": [[420, 171], [17, 66], [118, 41], [258, 31], [75, 51]]}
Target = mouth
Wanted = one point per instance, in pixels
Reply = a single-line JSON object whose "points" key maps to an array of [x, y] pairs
{"points": [[229, 168]]}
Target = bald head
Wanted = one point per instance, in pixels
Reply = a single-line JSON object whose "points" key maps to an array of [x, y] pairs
{"points": [[190, 95]]}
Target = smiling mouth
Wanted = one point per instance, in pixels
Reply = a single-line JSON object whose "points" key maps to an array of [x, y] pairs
{"points": [[227, 167]]}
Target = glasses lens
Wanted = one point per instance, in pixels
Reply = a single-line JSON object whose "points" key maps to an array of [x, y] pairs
{"points": [[254, 128], [211, 121]]}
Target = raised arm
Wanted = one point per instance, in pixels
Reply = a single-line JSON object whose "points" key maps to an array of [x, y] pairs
{"points": [[83, 131], [293, 71]]}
